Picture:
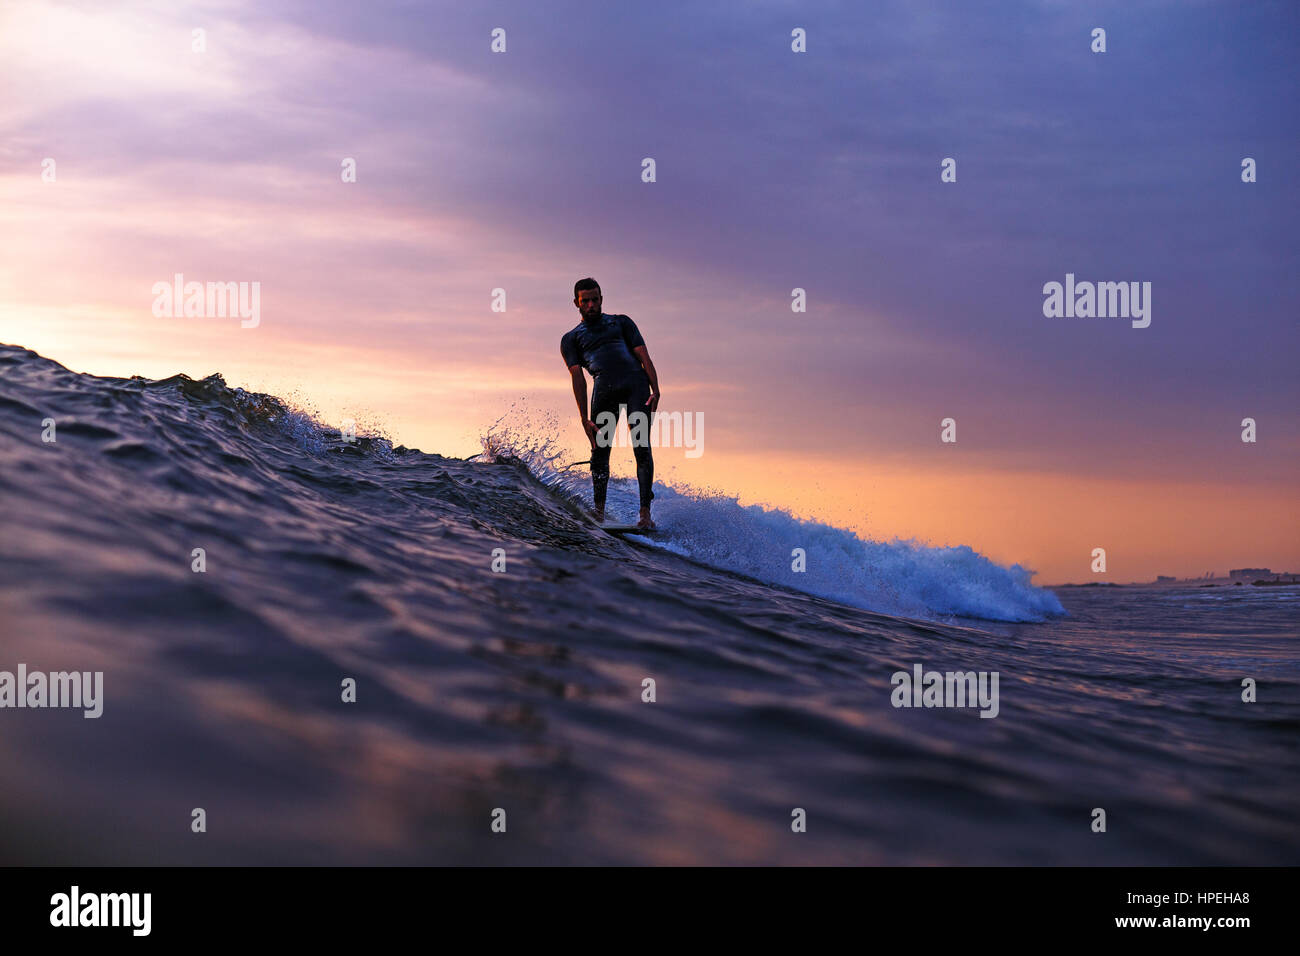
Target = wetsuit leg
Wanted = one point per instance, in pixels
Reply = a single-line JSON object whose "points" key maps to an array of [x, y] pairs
{"points": [[636, 398], [602, 400], [612, 400]]}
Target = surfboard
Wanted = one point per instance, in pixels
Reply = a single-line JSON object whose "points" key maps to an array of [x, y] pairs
{"points": [[627, 529]]}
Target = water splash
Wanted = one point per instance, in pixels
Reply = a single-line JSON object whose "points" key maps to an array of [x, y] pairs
{"points": [[901, 577]]}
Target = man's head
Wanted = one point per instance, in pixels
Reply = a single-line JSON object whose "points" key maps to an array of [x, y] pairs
{"points": [[586, 296]]}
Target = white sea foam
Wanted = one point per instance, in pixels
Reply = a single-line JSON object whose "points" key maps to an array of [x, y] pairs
{"points": [[901, 577]]}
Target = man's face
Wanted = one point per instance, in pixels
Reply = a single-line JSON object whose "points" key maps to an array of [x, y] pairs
{"points": [[588, 302]]}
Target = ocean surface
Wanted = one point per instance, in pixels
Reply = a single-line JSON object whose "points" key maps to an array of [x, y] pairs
{"points": [[518, 694]]}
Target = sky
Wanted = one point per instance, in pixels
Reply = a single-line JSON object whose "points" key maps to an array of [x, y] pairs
{"points": [[775, 170]]}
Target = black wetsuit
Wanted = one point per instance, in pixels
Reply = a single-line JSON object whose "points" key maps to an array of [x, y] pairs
{"points": [[604, 348]]}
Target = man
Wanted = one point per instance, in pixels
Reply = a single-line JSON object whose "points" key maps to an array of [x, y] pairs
{"points": [[611, 348]]}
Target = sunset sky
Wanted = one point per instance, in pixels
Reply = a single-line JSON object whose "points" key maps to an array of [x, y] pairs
{"points": [[776, 170]]}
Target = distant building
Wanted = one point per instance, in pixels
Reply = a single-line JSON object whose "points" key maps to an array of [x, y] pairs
{"points": [[1251, 573], [1164, 577]]}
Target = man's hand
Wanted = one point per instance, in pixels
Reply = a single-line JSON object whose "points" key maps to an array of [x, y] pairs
{"points": [[590, 428], [643, 355]]}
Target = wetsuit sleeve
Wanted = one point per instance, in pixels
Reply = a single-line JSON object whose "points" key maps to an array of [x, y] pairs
{"points": [[631, 334], [569, 350]]}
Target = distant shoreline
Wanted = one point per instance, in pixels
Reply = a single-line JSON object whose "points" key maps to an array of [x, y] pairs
{"points": [[1192, 583]]}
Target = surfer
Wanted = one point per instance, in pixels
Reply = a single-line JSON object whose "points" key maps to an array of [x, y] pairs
{"points": [[611, 348]]}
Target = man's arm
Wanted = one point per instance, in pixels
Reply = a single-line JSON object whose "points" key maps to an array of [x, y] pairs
{"points": [[643, 354], [580, 395]]}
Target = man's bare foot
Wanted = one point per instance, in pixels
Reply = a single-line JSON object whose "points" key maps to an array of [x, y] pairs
{"points": [[598, 515], [645, 521]]}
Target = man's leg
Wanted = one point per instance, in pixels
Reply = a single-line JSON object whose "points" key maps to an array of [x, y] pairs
{"points": [[639, 421], [601, 403]]}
